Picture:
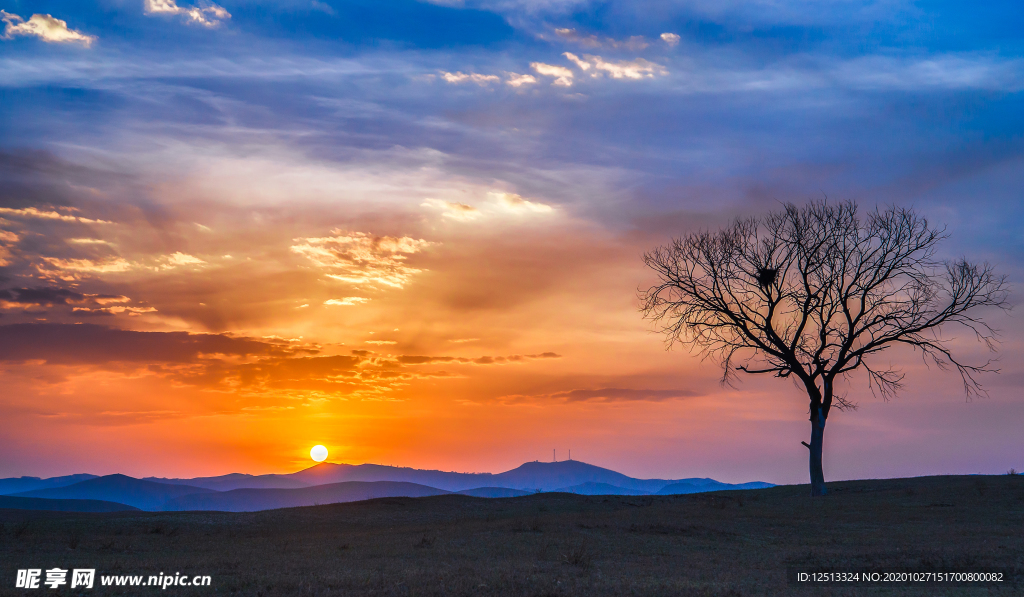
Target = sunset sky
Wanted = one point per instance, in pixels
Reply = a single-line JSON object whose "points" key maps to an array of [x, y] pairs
{"points": [[412, 231]]}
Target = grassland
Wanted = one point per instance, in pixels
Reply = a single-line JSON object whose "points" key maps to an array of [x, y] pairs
{"points": [[731, 543]]}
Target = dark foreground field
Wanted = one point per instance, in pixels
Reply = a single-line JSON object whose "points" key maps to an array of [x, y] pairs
{"points": [[726, 543]]}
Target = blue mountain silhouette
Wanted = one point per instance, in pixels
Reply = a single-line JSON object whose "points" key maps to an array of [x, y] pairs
{"points": [[329, 483]]}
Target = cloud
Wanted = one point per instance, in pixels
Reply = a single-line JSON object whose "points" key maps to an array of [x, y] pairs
{"points": [[498, 203], [206, 14], [87, 241], [518, 80], [80, 344], [950, 71], [67, 268], [117, 309], [453, 210], [460, 77], [323, 7], [635, 43], [35, 213], [572, 35], [636, 69], [178, 259], [360, 258], [105, 299], [45, 27], [362, 373], [604, 395], [104, 266], [514, 202], [268, 366], [7, 240], [28, 299], [563, 76], [32, 297], [485, 360], [347, 301], [576, 60], [670, 38], [618, 394]]}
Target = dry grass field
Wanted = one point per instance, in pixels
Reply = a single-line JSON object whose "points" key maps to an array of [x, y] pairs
{"points": [[726, 544]]}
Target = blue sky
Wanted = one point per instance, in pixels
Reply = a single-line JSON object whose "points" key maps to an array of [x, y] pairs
{"points": [[631, 121], [889, 101]]}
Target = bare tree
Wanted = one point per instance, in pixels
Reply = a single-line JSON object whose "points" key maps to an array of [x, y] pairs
{"points": [[814, 294]]}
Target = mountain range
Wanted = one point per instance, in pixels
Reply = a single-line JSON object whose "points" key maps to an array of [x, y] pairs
{"points": [[9, 502], [17, 484], [248, 500], [531, 476], [331, 483], [139, 493]]}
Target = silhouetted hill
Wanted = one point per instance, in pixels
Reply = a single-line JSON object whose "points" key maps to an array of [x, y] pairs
{"points": [[334, 473], [494, 492], [751, 485], [681, 488], [32, 503], [251, 500], [569, 475], [549, 476], [729, 543], [591, 488], [121, 489], [20, 484], [237, 481], [531, 476]]}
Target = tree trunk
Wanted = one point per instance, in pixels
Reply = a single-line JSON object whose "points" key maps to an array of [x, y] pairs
{"points": [[817, 438]]}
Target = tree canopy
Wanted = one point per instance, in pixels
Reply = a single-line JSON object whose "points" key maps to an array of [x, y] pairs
{"points": [[817, 292]]}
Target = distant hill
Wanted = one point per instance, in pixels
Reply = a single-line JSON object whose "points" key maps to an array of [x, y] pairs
{"points": [[531, 476], [494, 492], [122, 489], [550, 476], [251, 500], [325, 473], [333, 473], [31, 503], [20, 484], [237, 481], [591, 488], [680, 488], [570, 476]]}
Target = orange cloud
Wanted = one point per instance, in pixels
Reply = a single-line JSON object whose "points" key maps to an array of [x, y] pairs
{"points": [[347, 301], [360, 258], [33, 212], [604, 395]]}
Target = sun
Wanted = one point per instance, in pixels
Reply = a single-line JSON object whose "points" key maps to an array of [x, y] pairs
{"points": [[318, 453]]}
